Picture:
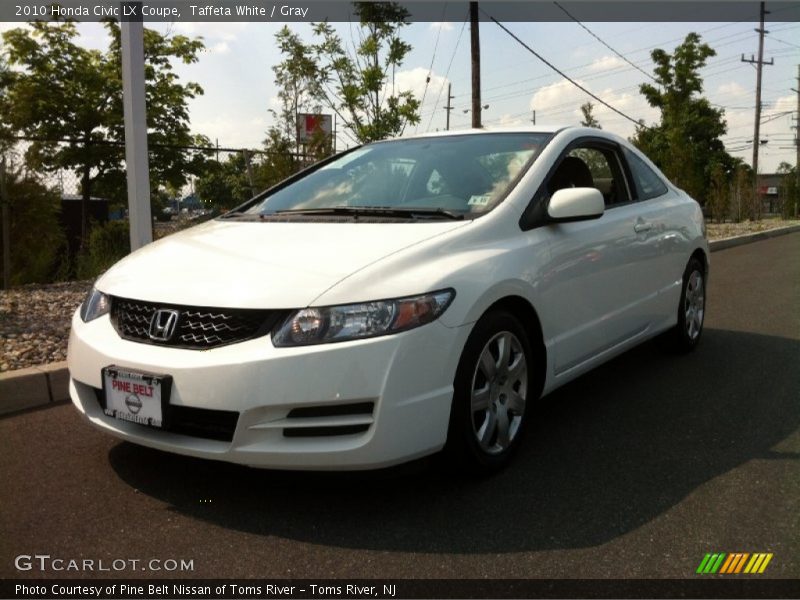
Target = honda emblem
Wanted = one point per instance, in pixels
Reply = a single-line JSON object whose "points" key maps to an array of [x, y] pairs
{"points": [[163, 324]]}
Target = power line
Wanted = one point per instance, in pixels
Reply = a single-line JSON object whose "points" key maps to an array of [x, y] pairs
{"points": [[447, 73], [738, 34], [595, 36], [433, 58], [783, 42], [601, 73], [557, 70]]}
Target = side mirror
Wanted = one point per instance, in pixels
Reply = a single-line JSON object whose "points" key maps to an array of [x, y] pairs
{"points": [[575, 204]]}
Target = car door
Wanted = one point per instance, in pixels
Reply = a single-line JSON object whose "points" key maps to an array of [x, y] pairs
{"points": [[662, 234], [596, 282]]}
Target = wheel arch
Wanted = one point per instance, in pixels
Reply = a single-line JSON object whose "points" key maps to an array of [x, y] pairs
{"points": [[700, 255], [523, 310]]}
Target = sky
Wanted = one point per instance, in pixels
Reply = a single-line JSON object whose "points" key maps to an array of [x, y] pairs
{"points": [[235, 71]]}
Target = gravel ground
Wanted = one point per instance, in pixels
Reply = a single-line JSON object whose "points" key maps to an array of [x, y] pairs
{"points": [[717, 231], [34, 319], [34, 323]]}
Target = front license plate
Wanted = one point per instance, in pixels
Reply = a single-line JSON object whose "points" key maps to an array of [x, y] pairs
{"points": [[134, 396]]}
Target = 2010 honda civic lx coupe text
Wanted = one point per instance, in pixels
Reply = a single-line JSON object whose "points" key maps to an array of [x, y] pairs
{"points": [[398, 299]]}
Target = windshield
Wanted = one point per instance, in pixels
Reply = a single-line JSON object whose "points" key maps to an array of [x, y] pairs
{"points": [[463, 174]]}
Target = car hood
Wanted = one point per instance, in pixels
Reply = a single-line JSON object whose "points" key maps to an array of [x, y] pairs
{"points": [[259, 265]]}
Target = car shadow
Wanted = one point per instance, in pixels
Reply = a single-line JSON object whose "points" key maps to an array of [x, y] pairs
{"points": [[608, 453]]}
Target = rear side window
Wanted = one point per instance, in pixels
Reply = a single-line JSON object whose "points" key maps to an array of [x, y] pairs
{"points": [[648, 184]]}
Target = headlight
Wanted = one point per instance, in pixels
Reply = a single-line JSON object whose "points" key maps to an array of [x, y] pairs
{"points": [[96, 304], [355, 321]]}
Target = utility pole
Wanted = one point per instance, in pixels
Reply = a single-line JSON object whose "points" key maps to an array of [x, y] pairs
{"points": [[475, 50], [533, 120], [797, 143], [448, 108], [756, 212]]}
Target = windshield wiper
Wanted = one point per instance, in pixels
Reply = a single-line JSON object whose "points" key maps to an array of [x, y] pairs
{"points": [[373, 211]]}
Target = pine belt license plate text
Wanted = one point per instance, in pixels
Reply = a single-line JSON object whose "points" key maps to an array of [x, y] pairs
{"points": [[134, 397]]}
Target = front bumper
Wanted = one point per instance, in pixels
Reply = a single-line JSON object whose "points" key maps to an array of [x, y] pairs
{"points": [[407, 377]]}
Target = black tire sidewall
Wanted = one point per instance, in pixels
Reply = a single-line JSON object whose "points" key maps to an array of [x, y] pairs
{"points": [[685, 343], [462, 446]]}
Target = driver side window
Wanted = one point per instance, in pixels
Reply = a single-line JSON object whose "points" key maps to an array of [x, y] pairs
{"points": [[590, 166]]}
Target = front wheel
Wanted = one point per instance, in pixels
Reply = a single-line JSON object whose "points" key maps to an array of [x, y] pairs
{"points": [[685, 336], [491, 393]]}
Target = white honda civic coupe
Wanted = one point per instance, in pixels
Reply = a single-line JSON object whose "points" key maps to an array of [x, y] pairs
{"points": [[399, 299]]}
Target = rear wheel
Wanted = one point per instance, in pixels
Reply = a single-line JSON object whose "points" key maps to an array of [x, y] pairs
{"points": [[490, 401], [685, 336]]}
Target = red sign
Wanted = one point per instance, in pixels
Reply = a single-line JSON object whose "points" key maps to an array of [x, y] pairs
{"points": [[309, 125]]}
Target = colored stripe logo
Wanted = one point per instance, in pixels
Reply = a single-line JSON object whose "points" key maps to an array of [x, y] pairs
{"points": [[734, 563]]}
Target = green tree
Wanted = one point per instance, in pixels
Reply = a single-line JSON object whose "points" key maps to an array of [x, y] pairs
{"points": [[6, 133], [37, 242], [718, 193], [297, 78], [359, 86], [741, 199], [108, 243], [589, 120], [63, 91], [686, 143], [278, 162], [299, 91], [789, 190], [224, 185]]}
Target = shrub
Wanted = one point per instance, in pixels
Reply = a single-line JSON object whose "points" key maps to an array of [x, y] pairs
{"points": [[108, 243], [37, 244]]}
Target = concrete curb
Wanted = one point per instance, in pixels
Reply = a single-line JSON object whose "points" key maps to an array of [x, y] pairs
{"points": [[750, 237], [33, 387], [48, 384]]}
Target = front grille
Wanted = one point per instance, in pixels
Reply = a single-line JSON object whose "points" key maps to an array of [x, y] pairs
{"points": [[203, 423], [198, 328]]}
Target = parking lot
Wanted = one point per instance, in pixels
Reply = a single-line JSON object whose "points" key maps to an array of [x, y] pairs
{"points": [[636, 470]]}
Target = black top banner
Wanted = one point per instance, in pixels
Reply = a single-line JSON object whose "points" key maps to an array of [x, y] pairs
{"points": [[420, 11]]}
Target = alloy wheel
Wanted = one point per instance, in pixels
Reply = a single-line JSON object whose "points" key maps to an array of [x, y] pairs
{"points": [[498, 392], [694, 304]]}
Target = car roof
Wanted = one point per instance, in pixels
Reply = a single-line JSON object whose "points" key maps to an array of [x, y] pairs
{"points": [[545, 129], [489, 130]]}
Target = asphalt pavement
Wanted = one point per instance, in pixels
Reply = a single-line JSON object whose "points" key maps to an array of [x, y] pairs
{"points": [[636, 470]]}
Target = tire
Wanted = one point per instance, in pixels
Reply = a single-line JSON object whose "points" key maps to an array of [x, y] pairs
{"points": [[685, 336], [493, 390]]}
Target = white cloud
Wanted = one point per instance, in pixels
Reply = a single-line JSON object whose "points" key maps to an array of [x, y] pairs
{"points": [[226, 128], [509, 120], [732, 89], [413, 80], [560, 103], [785, 103], [443, 25], [219, 48], [606, 63]]}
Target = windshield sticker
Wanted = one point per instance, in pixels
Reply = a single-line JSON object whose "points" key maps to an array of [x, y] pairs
{"points": [[479, 200]]}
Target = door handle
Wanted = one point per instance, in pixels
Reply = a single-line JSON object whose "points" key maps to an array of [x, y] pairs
{"points": [[642, 227]]}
